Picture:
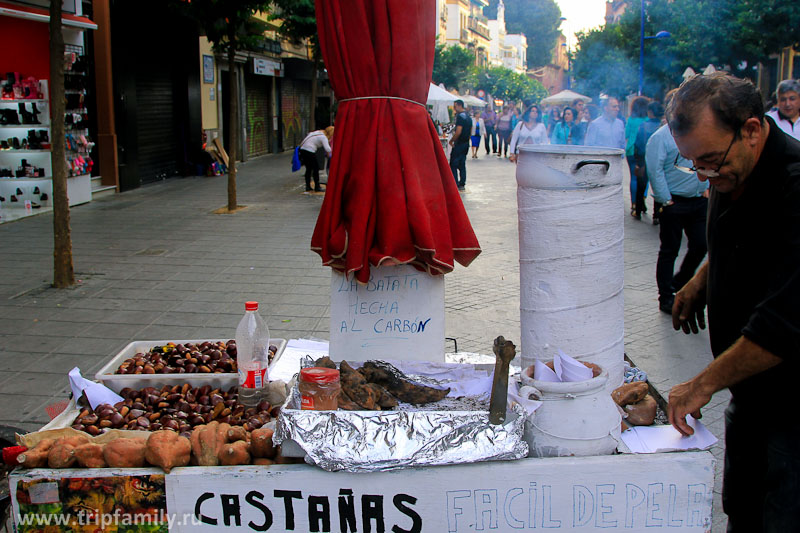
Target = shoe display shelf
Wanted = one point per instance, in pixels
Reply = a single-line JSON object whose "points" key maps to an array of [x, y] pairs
{"points": [[37, 186]]}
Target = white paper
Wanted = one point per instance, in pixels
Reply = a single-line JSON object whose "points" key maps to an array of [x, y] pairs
{"points": [[571, 369], [655, 439], [542, 372], [96, 393]]}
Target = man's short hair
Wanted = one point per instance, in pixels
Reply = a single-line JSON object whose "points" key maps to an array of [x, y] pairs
{"points": [[577, 101], [656, 109], [788, 85], [731, 100], [459, 103]]}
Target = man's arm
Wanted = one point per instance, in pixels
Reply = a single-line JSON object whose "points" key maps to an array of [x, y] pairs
{"points": [[742, 360], [655, 158], [456, 135]]}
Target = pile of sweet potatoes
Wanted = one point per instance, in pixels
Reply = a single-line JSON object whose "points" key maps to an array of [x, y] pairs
{"points": [[213, 444]]}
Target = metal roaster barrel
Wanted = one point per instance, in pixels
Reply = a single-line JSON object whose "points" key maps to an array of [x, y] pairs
{"points": [[571, 213]]}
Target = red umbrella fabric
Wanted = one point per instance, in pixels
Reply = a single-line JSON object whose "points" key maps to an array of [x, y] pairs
{"points": [[391, 197]]}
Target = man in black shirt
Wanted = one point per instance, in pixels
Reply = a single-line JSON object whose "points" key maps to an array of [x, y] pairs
{"points": [[460, 144], [751, 283]]}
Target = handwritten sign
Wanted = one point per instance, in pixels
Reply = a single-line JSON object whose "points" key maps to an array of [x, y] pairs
{"points": [[609, 493], [398, 314]]}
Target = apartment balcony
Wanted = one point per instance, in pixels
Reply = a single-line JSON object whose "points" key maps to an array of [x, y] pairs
{"points": [[464, 36], [479, 27]]}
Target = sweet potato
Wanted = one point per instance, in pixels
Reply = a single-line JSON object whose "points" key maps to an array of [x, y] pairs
{"points": [[261, 443], [642, 413], [630, 393], [234, 453], [263, 461], [74, 440], [167, 449], [36, 457], [236, 433], [90, 455], [206, 443], [61, 455], [125, 453]]}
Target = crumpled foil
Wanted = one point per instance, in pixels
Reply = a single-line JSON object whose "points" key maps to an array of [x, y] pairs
{"points": [[372, 441]]}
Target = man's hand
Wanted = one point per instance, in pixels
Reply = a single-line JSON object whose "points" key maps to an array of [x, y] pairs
{"points": [[688, 311], [686, 399]]}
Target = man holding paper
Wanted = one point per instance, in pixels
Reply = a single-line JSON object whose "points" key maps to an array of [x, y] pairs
{"points": [[751, 283]]}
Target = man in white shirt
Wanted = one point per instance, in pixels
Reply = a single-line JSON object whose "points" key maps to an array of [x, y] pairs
{"points": [[607, 130], [788, 111]]}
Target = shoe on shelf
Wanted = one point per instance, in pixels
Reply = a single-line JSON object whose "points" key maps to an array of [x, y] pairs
{"points": [[43, 197]]}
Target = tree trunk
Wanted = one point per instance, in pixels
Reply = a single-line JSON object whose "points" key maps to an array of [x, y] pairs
{"points": [[233, 133], [313, 121], [63, 274]]}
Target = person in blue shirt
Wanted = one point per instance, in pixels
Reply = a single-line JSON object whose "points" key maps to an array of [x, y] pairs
{"points": [[655, 114], [684, 200], [607, 130], [564, 128]]}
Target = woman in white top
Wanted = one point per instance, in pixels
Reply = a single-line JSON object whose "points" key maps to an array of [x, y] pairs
{"points": [[478, 129], [308, 154], [530, 130]]}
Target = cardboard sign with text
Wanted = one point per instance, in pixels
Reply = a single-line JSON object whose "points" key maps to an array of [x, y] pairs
{"points": [[671, 492], [398, 314]]}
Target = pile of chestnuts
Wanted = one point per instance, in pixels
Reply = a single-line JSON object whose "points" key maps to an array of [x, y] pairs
{"points": [[209, 357], [178, 407]]}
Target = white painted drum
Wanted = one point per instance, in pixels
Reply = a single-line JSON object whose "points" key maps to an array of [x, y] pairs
{"points": [[575, 418], [571, 211]]}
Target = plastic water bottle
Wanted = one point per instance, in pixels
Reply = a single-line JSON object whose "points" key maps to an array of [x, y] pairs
{"points": [[252, 348]]}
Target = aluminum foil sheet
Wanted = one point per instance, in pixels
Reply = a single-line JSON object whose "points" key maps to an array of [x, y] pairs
{"points": [[457, 432]]}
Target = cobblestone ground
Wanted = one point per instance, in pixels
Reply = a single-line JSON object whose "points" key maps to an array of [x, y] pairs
{"points": [[156, 263]]}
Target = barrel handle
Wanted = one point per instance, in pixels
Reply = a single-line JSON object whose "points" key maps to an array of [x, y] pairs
{"points": [[586, 162]]}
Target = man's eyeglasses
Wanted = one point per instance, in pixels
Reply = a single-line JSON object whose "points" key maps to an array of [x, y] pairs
{"points": [[705, 171]]}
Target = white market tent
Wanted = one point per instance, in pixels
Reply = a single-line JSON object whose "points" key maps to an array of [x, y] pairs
{"points": [[474, 101], [564, 98], [438, 94]]}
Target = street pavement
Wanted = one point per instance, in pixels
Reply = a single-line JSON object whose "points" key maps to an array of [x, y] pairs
{"points": [[156, 263]]}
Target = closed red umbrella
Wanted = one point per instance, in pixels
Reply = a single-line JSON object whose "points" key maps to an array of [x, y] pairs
{"points": [[391, 197]]}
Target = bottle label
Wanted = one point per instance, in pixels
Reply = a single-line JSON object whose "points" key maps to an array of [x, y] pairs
{"points": [[307, 402], [252, 379]]}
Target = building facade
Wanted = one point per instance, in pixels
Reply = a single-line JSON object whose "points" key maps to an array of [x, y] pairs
{"points": [[468, 27], [505, 49]]}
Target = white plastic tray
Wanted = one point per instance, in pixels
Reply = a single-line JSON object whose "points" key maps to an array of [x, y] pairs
{"points": [[117, 382]]}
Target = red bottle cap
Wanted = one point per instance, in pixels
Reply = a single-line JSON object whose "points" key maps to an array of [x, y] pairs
{"points": [[317, 374], [251, 306]]}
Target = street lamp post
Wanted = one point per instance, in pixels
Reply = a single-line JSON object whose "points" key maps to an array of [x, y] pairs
{"points": [[660, 35]]}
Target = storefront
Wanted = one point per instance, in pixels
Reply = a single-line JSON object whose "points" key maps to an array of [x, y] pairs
{"points": [[25, 126]]}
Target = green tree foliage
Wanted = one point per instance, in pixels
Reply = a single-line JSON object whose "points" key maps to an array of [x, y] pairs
{"points": [[450, 65], [506, 84], [734, 34], [538, 20]]}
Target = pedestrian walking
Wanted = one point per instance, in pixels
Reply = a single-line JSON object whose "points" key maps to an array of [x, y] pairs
{"points": [[563, 132], [504, 129], [638, 116], [530, 130], [607, 130], [751, 284], [460, 143], [476, 132], [316, 140], [655, 117], [684, 200], [788, 110], [489, 133]]}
